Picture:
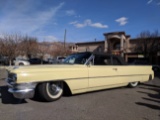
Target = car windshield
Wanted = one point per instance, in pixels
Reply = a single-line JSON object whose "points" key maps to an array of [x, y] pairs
{"points": [[79, 58]]}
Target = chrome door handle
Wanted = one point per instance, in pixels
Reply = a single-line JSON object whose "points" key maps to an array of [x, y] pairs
{"points": [[115, 69]]}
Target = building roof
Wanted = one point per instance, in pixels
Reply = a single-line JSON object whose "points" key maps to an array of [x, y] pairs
{"points": [[114, 33], [93, 42]]}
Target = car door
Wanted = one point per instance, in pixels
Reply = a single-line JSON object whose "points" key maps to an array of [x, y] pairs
{"points": [[102, 74], [123, 71]]}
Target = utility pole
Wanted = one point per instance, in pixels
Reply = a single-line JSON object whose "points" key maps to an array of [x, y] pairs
{"points": [[65, 32]]}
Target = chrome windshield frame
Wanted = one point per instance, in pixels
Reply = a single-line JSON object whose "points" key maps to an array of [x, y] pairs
{"points": [[89, 59]]}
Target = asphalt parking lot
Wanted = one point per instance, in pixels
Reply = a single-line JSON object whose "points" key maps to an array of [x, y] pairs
{"points": [[140, 103]]}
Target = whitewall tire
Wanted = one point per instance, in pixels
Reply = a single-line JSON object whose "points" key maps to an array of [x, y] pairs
{"points": [[133, 84], [50, 91]]}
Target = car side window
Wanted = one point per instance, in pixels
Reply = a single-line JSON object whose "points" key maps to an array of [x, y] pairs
{"points": [[102, 60], [116, 61]]}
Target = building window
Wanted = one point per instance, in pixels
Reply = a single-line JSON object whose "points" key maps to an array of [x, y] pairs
{"points": [[116, 46], [100, 49], [87, 49]]}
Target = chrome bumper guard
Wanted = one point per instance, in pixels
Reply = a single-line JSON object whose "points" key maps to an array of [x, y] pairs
{"points": [[22, 90]]}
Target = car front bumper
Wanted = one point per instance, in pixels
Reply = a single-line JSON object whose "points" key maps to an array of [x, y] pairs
{"points": [[21, 90], [22, 94]]}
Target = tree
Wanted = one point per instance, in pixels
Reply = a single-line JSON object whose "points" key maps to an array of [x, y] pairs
{"points": [[29, 46], [9, 45], [57, 49], [43, 49], [148, 44]]}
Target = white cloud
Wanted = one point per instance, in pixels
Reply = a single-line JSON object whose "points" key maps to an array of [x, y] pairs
{"points": [[50, 38], [122, 21], [18, 20], [70, 12], [79, 25], [157, 2], [99, 25], [88, 22], [150, 1]]}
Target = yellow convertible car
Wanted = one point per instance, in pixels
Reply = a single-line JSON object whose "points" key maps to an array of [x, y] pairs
{"points": [[81, 72]]}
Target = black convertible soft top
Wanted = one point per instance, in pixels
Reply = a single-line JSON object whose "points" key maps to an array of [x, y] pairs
{"points": [[120, 59], [112, 56]]}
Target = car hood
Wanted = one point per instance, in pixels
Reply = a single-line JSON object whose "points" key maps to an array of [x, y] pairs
{"points": [[41, 73]]}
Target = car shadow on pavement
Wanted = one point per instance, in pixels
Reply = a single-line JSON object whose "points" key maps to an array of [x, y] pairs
{"points": [[155, 107], [8, 98], [152, 97], [149, 85]]}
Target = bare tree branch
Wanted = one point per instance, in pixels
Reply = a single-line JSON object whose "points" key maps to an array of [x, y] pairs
{"points": [[29, 46], [148, 43], [9, 45]]}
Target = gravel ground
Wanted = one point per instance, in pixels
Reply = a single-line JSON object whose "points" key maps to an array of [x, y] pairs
{"points": [[140, 103]]}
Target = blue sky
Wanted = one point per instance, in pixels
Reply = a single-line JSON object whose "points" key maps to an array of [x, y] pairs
{"points": [[84, 20]]}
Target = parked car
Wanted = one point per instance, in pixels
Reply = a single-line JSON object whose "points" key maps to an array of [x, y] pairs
{"points": [[52, 60], [4, 60], [80, 73], [60, 59], [37, 61], [21, 62], [56, 60]]}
